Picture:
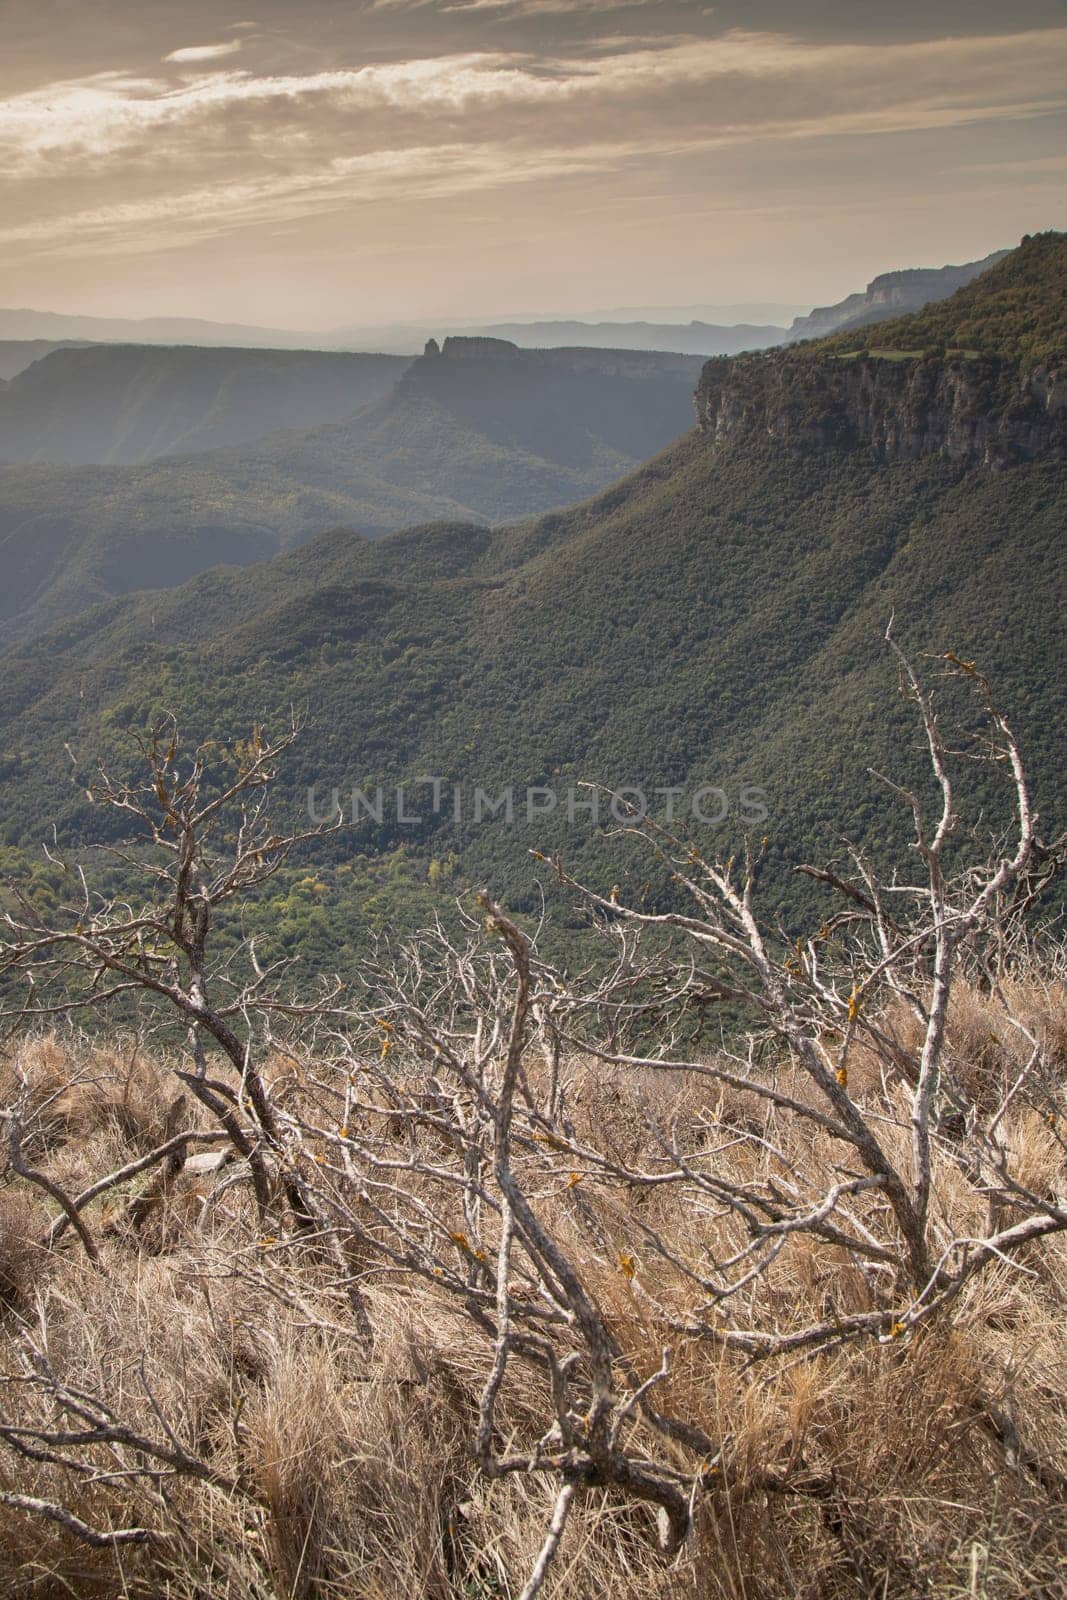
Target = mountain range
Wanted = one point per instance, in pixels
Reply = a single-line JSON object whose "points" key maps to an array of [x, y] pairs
{"points": [[885, 296], [890, 294], [57, 327], [717, 617], [189, 457], [693, 338], [479, 430], [122, 404], [904, 290]]}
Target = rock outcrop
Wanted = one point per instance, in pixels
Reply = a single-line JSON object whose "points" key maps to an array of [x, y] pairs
{"points": [[982, 411], [889, 295], [465, 347]]}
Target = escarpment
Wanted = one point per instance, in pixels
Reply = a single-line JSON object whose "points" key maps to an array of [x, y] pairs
{"points": [[983, 410]]}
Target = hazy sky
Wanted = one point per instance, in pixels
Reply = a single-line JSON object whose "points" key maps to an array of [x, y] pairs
{"points": [[332, 161]]}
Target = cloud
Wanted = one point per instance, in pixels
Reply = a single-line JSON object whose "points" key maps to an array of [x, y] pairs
{"points": [[110, 113], [739, 85], [205, 52], [418, 173], [225, 148], [1055, 164]]}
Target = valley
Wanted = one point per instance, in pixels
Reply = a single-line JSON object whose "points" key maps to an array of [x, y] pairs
{"points": [[733, 596], [533, 800]]}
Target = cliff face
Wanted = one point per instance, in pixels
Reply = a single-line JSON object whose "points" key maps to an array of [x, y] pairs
{"points": [[463, 354], [908, 289], [463, 347], [981, 411]]}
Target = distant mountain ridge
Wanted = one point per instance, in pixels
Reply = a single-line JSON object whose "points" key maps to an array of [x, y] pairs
{"points": [[716, 618], [61, 327], [903, 290], [692, 338], [485, 433], [123, 404], [891, 293], [887, 295], [18, 354]]}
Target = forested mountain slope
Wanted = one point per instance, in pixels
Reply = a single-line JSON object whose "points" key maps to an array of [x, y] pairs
{"points": [[906, 290], [481, 431], [715, 618], [121, 404], [1017, 312]]}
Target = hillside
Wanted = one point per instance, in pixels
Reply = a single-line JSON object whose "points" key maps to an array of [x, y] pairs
{"points": [[66, 327], [18, 354], [1017, 311], [119, 404], [587, 416], [481, 431], [715, 618], [891, 293]]}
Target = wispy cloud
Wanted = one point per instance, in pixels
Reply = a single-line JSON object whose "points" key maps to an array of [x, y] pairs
{"points": [[204, 52], [420, 173], [740, 85], [120, 162], [109, 113]]}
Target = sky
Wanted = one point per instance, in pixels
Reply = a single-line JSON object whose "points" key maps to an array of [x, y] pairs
{"points": [[351, 162]]}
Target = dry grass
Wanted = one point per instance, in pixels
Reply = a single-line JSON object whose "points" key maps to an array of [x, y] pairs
{"points": [[354, 1473]]}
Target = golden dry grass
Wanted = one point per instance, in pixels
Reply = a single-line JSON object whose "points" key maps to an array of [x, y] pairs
{"points": [[356, 1474]]}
